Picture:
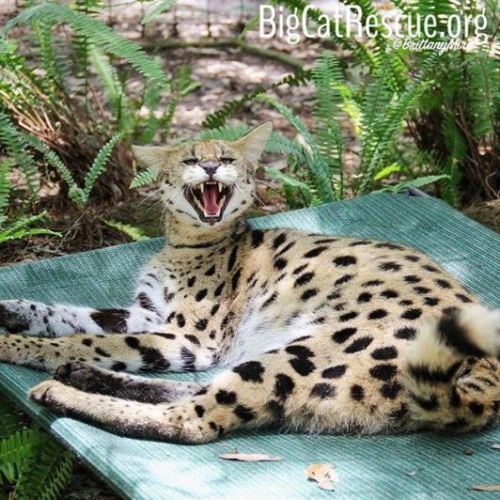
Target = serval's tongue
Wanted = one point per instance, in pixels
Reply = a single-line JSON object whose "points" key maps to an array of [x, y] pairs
{"points": [[210, 195]]}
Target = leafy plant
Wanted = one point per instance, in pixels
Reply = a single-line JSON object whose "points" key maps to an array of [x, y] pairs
{"points": [[24, 225], [80, 120], [32, 464]]}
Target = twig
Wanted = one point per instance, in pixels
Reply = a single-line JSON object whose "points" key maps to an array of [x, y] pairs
{"points": [[226, 43]]}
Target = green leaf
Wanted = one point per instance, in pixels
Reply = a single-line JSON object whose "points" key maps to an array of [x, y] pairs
{"points": [[160, 7], [287, 179], [387, 171], [99, 165], [134, 232]]}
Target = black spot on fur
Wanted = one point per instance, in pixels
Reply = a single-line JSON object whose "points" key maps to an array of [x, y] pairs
{"points": [[200, 295], [389, 266], [145, 302], [283, 386], [303, 279], [168, 296], [359, 243], [194, 340], [232, 258], [219, 289], [476, 408], [225, 398], [364, 297], [348, 316], [357, 392], [341, 336], [343, 279], [191, 281], [424, 374], [309, 293], [200, 411], [181, 320], [118, 366], [154, 359], [334, 371], [463, 297], [279, 240], [303, 366], [111, 320], [188, 359], [421, 290], [443, 283], [412, 279], [390, 246], [132, 342], [389, 294], [102, 352], [345, 260], [235, 279], [245, 413], [299, 269], [251, 371], [391, 389], [383, 371], [257, 237], [87, 342], [412, 314], [300, 351], [358, 345], [454, 335], [428, 404], [377, 314], [280, 263], [385, 353], [431, 269], [406, 332], [315, 252], [323, 391], [431, 301], [372, 283], [269, 300], [210, 271]]}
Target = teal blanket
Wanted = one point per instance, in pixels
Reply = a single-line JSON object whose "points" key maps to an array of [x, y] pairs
{"points": [[381, 467]]}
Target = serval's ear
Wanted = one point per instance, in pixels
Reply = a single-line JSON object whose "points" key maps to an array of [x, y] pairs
{"points": [[252, 144], [155, 157]]}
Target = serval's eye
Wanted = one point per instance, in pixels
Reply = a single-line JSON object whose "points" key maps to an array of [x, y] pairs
{"points": [[227, 159], [190, 161]]}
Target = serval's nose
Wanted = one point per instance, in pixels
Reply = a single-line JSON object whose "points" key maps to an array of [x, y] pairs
{"points": [[210, 166]]}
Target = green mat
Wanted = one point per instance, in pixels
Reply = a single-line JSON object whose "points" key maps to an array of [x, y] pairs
{"points": [[412, 466]]}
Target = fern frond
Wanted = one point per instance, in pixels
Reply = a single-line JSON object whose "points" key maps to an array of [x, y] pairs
{"points": [[327, 76], [133, 232], [143, 179], [160, 7], [317, 165], [99, 165], [10, 418], [17, 147], [45, 471], [219, 117], [484, 90], [15, 449], [4, 187], [100, 34]]}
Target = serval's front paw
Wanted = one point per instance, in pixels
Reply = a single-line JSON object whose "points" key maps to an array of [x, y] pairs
{"points": [[51, 394]]}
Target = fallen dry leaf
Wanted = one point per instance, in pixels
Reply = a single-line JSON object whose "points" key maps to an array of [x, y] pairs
{"points": [[323, 474], [249, 457], [496, 446], [486, 487]]}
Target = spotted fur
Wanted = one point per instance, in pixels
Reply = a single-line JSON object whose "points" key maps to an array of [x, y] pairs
{"points": [[316, 332]]}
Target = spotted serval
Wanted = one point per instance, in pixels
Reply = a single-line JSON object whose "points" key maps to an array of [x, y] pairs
{"points": [[315, 332]]}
